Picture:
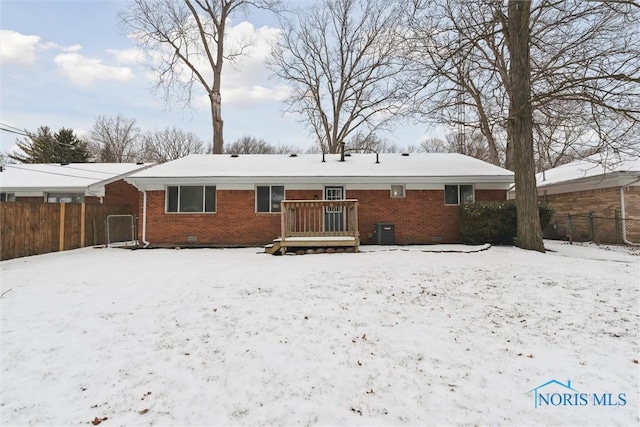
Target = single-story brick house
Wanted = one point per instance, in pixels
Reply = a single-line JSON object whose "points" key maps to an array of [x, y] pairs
{"points": [[246, 200], [69, 183], [603, 187]]}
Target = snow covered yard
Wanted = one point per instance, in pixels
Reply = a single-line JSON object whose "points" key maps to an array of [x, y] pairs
{"points": [[204, 337]]}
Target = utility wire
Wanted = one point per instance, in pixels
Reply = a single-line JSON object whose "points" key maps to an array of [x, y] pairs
{"points": [[51, 173], [13, 131]]}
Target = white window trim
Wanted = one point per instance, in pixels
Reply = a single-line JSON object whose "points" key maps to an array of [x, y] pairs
{"points": [[204, 200], [473, 189], [404, 191], [255, 192], [74, 195], [9, 195]]}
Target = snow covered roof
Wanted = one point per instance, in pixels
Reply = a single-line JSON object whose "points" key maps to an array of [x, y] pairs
{"points": [[58, 177], [307, 167], [594, 167]]}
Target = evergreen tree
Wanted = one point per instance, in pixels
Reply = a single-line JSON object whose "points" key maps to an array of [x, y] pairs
{"points": [[44, 147]]}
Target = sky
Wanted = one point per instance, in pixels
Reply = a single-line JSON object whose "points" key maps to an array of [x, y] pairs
{"points": [[64, 63]]}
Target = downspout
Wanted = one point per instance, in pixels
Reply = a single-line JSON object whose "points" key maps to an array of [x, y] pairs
{"points": [[144, 215], [623, 215]]}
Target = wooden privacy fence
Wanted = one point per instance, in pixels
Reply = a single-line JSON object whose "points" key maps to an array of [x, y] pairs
{"points": [[39, 228]]}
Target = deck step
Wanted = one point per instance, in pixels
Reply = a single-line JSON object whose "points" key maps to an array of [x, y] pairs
{"points": [[272, 248]]}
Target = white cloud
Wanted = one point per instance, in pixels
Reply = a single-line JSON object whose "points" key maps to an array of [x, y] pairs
{"points": [[127, 56], [16, 48], [56, 46], [245, 96], [244, 81], [84, 71]]}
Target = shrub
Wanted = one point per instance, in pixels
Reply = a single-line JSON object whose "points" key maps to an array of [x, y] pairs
{"points": [[494, 222]]}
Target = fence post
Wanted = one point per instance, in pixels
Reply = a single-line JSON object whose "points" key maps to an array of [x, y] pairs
{"points": [[61, 227], [82, 225], [570, 229], [593, 227], [616, 224]]}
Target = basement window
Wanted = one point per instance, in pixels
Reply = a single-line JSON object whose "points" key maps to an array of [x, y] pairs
{"points": [[268, 198], [191, 198], [458, 194], [397, 191]]}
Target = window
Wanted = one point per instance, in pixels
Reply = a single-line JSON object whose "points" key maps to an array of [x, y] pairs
{"points": [[7, 197], [456, 194], [268, 198], [191, 198], [397, 191], [65, 197]]}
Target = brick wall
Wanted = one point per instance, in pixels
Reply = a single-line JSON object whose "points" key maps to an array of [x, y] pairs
{"points": [[604, 202], [418, 218], [121, 192]]}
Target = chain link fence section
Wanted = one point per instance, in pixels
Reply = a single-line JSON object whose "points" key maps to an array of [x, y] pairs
{"points": [[622, 233], [121, 230]]}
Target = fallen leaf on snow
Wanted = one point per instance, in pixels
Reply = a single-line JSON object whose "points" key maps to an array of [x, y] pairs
{"points": [[144, 411]]}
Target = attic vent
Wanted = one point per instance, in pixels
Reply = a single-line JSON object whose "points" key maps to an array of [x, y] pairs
{"points": [[64, 164], [405, 154], [347, 154], [293, 155], [234, 155], [139, 163], [1, 168]]}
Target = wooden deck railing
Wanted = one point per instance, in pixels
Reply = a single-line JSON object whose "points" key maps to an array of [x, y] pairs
{"points": [[319, 218]]}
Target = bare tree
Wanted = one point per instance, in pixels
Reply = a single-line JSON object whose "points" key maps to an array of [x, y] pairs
{"points": [[341, 60], [115, 140], [249, 145], [170, 144], [585, 77], [185, 43], [286, 149], [433, 145]]}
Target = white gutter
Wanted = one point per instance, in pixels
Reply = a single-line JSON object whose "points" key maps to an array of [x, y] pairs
{"points": [[144, 215], [622, 215]]}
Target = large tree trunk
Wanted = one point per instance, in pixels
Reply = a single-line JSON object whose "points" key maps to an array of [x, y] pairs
{"points": [[529, 234], [216, 117]]}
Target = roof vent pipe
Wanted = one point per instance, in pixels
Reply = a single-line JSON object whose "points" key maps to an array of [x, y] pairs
{"points": [[405, 154], [323, 157], [293, 155], [234, 155], [342, 151], [377, 160]]}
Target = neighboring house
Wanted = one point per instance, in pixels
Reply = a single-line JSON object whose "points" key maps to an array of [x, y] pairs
{"points": [[594, 184], [69, 183], [595, 193], [230, 200]]}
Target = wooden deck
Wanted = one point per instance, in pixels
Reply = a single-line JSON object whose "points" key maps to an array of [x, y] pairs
{"points": [[317, 224]]}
